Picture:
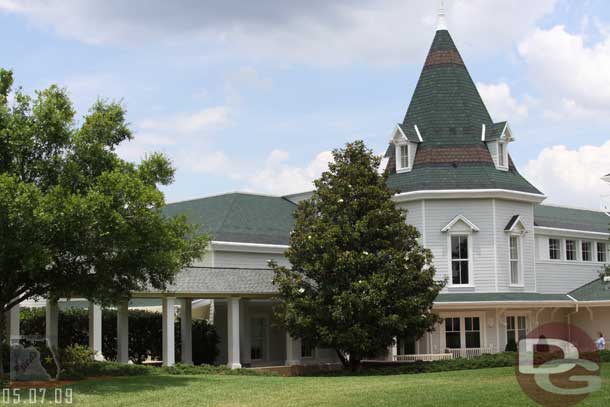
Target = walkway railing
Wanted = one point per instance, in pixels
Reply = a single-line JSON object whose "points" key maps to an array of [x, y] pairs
{"points": [[424, 357], [469, 353]]}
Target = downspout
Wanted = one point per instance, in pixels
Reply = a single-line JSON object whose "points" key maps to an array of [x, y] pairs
{"points": [[570, 316]]}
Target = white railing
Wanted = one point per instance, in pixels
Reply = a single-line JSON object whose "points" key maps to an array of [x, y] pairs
{"points": [[469, 353], [428, 357]]}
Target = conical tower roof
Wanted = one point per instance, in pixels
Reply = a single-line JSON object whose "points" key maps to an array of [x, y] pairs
{"points": [[446, 105], [452, 131]]}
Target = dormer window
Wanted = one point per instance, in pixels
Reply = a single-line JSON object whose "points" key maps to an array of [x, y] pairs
{"points": [[405, 147], [502, 155], [403, 157]]}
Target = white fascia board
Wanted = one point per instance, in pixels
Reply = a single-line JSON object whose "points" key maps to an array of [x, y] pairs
{"points": [[504, 131], [544, 230], [396, 140], [457, 219], [512, 304], [519, 221], [248, 247], [483, 132], [421, 140], [468, 194]]}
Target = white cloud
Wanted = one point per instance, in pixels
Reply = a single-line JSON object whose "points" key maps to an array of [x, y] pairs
{"points": [[501, 103], [571, 176], [278, 177], [171, 133], [574, 77], [317, 32]]}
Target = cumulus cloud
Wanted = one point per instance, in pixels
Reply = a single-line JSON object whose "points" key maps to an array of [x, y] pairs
{"points": [[501, 103], [315, 32], [280, 178], [169, 134], [571, 176], [574, 76]]}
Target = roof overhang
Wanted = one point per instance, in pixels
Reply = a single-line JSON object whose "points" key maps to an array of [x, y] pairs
{"points": [[503, 304], [248, 247], [469, 194], [569, 232]]}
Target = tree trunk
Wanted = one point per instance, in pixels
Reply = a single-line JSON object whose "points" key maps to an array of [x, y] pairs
{"points": [[2, 341], [355, 364], [342, 358]]}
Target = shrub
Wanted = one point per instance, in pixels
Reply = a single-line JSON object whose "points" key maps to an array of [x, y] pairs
{"points": [[145, 333]]}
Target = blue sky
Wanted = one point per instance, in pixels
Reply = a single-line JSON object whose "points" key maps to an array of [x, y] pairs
{"points": [[253, 95]]}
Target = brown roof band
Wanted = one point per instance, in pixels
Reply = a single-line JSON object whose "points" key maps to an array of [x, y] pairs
{"points": [[443, 57], [453, 154]]}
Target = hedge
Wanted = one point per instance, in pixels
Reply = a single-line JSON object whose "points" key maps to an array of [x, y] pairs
{"points": [[145, 333]]}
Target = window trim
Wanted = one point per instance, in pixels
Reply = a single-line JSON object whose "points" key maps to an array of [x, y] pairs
{"points": [[605, 251], [462, 316], [398, 156], [516, 314], [520, 282], [582, 251], [502, 159], [559, 248], [468, 235], [565, 247]]}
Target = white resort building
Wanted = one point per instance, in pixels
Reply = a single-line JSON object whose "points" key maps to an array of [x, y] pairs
{"points": [[511, 262]]}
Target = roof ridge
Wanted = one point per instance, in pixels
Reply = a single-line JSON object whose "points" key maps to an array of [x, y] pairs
{"points": [[224, 194], [227, 268], [229, 208]]}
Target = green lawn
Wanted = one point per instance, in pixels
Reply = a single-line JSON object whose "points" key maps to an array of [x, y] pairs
{"points": [[486, 387]]}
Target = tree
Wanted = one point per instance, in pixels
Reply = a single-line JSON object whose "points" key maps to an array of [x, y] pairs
{"points": [[75, 219], [358, 277]]}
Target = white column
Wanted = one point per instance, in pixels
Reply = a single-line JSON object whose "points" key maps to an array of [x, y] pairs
{"points": [[233, 333], [95, 330], [186, 330], [394, 350], [244, 325], [122, 332], [169, 343], [52, 323], [293, 350], [13, 323]]}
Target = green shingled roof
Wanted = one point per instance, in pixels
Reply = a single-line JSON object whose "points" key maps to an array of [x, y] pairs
{"points": [[460, 176], [568, 218], [499, 297], [450, 114], [596, 290], [240, 217]]}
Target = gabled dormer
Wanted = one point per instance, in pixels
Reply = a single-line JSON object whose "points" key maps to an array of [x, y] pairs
{"points": [[405, 142], [497, 139]]}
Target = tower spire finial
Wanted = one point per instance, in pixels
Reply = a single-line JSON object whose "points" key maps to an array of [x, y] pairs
{"points": [[441, 23]]}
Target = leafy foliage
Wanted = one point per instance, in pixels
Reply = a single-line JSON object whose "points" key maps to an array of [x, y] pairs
{"points": [[359, 277], [76, 219]]}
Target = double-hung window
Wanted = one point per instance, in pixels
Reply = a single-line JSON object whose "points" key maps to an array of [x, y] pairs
{"points": [[515, 263], [602, 252], [571, 250], [404, 156], [460, 260], [452, 333], [472, 332], [554, 249], [516, 328], [587, 250]]}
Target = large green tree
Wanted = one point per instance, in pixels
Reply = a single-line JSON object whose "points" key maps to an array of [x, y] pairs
{"points": [[76, 219], [358, 277]]}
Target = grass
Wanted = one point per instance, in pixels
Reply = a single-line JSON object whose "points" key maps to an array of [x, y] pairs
{"points": [[485, 387]]}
